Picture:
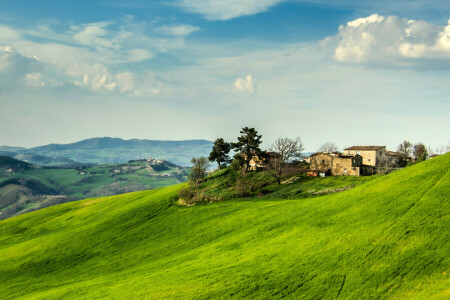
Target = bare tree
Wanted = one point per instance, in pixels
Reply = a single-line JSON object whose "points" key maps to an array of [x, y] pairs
{"points": [[285, 149], [385, 164], [328, 147], [405, 148]]}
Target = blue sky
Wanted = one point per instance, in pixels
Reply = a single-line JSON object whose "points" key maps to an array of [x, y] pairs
{"points": [[349, 72]]}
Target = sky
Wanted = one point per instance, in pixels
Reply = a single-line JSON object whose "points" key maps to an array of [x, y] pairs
{"points": [[343, 71]]}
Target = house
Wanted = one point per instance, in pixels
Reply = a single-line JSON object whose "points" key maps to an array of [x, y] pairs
{"points": [[338, 165], [370, 154], [259, 162]]}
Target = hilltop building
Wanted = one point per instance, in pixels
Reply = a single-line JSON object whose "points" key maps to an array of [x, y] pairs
{"points": [[260, 162], [370, 154]]}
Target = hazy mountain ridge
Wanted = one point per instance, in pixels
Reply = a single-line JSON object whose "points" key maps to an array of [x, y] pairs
{"points": [[112, 150]]}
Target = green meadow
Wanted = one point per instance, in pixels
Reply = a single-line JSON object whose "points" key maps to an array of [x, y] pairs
{"points": [[387, 237]]}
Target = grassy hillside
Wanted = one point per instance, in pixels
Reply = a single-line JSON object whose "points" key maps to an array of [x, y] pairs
{"points": [[228, 184], [387, 238]]}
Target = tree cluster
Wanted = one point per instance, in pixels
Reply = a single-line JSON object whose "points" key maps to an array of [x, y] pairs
{"points": [[409, 151]]}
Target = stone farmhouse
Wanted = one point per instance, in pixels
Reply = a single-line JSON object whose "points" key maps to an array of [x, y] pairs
{"points": [[260, 162], [370, 154], [355, 161], [337, 164]]}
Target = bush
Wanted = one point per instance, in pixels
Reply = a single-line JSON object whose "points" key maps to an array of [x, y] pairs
{"points": [[244, 186], [237, 163], [187, 194]]}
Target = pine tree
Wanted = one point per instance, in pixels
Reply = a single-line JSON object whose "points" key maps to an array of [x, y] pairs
{"points": [[248, 145], [220, 152]]}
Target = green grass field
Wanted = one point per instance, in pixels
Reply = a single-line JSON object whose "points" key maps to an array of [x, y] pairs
{"points": [[386, 238]]}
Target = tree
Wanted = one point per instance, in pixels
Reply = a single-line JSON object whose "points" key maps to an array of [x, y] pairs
{"points": [[328, 147], [248, 145], [405, 149], [285, 149], [220, 152], [198, 171], [385, 164], [420, 152]]}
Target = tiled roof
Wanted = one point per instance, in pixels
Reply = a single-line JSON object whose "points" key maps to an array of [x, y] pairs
{"points": [[393, 153], [370, 148]]}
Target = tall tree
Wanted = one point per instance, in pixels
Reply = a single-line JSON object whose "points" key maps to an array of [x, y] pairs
{"points": [[328, 147], [198, 170], [220, 152], [285, 149], [420, 152], [248, 145]]}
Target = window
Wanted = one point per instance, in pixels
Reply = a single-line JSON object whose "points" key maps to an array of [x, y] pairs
{"points": [[323, 161], [368, 159]]}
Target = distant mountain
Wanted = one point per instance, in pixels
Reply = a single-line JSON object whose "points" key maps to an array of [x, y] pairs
{"points": [[116, 150], [12, 149], [7, 162]]}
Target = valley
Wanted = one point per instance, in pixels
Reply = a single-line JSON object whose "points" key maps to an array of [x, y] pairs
{"points": [[28, 187]]}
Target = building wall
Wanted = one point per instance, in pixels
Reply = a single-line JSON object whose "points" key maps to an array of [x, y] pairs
{"points": [[321, 161], [370, 157], [338, 166], [344, 167]]}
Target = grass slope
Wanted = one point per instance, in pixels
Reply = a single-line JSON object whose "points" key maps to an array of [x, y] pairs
{"points": [[386, 238]]}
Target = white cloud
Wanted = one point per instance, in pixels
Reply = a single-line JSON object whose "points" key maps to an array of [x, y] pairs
{"points": [[226, 9], [34, 80], [96, 77], [375, 18], [138, 85], [94, 35], [178, 30], [14, 67], [392, 41], [245, 84], [137, 55], [7, 34], [85, 54]]}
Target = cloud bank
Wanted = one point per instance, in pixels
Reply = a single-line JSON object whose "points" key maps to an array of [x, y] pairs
{"points": [[393, 41]]}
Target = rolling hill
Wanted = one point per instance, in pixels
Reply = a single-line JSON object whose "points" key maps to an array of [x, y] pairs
{"points": [[29, 187], [112, 150], [386, 238]]}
